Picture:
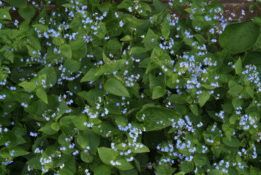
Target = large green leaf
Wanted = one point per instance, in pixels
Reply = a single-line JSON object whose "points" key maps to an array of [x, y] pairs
{"points": [[239, 37], [51, 76], [16, 3], [156, 118], [107, 154], [102, 170], [41, 93], [234, 142], [66, 50], [158, 92], [115, 87], [164, 168], [203, 98], [4, 13], [27, 12]]}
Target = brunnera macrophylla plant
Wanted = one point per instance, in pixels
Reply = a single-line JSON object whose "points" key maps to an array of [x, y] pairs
{"points": [[104, 87]]}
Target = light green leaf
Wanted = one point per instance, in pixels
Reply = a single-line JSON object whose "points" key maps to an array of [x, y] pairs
{"points": [[215, 172], [200, 160], [165, 31], [66, 50], [203, 98], [72, 65], [18, 151], [41, 93], [51, 76], [238, 66], [28, 86], [138, 50], [187, 166], [164, 168], [102, 170], [126, 38], [79, 122], [144, 149], [194, 109], [115, 87], [158, 92], [234, 142], [34, 42], [107, 154], [27, 12], [150, 41], [90, 75], [156, 118], [58, 41], [82, 141], [49, 128], [4, 13], [239, 37], [124, 165], [16, 3]]}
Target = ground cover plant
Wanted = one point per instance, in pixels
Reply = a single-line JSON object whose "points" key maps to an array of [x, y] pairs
{"points": [[128, 88]]}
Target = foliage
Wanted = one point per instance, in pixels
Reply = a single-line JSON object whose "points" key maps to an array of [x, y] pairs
{"points": [[91, 87]]}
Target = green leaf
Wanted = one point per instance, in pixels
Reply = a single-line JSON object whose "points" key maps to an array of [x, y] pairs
{"points": [[159, 6], [125, 4], [138, 50], [129, 172], [150, 41], [17, 4], [101, 30], [72, 65], [34, 42], [65, 171], [66, 50], [58, 41], [79, 48], [102, 170], [82, 141], [164, 169], [93, 138], [124, 165], [200, 160], [18, 151], [41, 93], [79, 122], [51, 76], [234, 142], [238, 66], [140, 149], [239, 37], [34, 162], [234, 88], [156, 118], [4, 13], [50, 128], [28, 86], [115, 87], [165, 31], [92, 96], [90, 75], [126, 38], [203, 98], [215, 172], [250, 91], [200, 38], [187, 166], [107, 154], [194, 109], [158, 92], [27, 12]]}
